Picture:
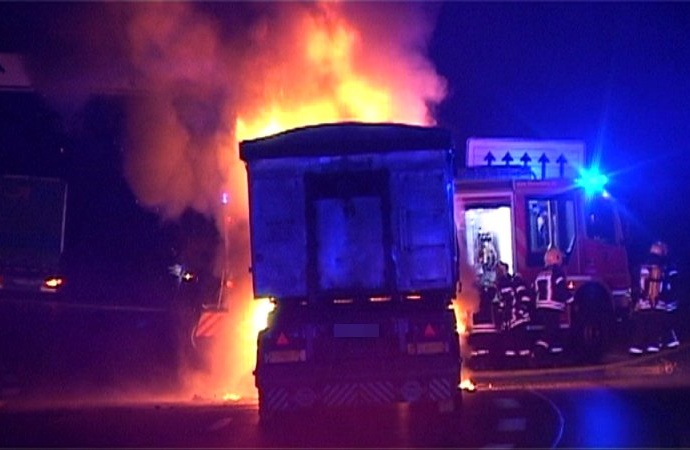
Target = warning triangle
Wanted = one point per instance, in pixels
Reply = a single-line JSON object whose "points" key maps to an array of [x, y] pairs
{"points": [[429, 331], [282, 339]]}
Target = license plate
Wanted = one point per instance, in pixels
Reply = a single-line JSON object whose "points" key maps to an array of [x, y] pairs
{"points": [[284, 356], [430, 348], [356, 330]]}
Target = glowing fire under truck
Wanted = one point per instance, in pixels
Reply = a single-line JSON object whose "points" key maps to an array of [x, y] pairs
{"points": [[516, 198], [353, 237]]}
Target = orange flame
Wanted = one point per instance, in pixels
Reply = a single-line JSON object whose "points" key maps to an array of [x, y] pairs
{"points": [[467, 385], [331, 86], [210, 76], [292, 64]]}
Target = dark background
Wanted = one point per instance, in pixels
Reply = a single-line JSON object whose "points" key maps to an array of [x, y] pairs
{"points": [[614, 74]]}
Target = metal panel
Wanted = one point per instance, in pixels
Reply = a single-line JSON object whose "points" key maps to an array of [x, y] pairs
{"points": [[393, 230], [425, 230], [350, 250], [278, 236]]}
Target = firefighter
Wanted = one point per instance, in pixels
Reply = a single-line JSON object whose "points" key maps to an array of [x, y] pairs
{"points": [[515, 304], [519, 316], [551, 297], [669, 337], [652, 312], [485, 323], [503, 295], [487, 258]]}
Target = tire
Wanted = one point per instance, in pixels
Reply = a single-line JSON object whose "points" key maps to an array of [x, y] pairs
{"points": [[267, 418], [593, 321], [271, 419]]}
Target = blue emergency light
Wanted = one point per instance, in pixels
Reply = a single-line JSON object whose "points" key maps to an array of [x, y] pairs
{"points": [[592, 181]]}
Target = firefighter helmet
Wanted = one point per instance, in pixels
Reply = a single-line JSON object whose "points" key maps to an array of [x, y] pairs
{"points": [[553, 257], [659, 248]]}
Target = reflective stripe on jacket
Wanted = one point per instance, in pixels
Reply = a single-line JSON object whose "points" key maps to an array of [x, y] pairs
{"points": [[551, 289]]}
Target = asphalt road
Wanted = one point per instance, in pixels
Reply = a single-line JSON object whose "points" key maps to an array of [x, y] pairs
{"points": [[566, 417], [625, 402], [605, 417], [488, 419]]}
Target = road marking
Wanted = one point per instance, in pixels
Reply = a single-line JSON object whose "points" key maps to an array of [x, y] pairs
{"points": [[512, 424], [64, 305], [561, 419], [220, 423], [507, 403]]}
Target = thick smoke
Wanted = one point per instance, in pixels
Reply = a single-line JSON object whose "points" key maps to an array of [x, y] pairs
{"points": [[191, 70], [197, 67]]}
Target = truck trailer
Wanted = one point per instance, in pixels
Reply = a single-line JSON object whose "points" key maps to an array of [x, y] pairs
{"points": [[353, 239]]}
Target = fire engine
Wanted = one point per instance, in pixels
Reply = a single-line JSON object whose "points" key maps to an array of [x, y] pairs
{"points": [[513, 212], [353, 238]]}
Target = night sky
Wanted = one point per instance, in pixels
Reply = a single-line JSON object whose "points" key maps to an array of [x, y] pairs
{"points": [[614, 74]]}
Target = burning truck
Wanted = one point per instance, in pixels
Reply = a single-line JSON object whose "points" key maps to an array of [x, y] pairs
{"points": [[354, 241]]}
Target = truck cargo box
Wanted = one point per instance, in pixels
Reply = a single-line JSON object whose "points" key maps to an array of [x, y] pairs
{"points": [[352, 210]]}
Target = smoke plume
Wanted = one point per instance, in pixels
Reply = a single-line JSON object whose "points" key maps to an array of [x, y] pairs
{"points": [[201, 76]]}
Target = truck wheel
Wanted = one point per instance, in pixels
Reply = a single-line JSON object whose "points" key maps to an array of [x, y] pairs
{"points": [[591, 326], [267, 418]]}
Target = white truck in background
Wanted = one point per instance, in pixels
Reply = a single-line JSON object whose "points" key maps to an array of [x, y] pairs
{"points": [[32, 229]]}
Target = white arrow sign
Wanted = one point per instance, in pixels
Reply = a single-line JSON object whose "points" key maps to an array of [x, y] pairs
{"points": [[546, 158]]}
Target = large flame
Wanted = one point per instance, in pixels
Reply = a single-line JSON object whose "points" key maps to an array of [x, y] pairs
{"points": [[332, 86], [322, 82], [213, 74]]}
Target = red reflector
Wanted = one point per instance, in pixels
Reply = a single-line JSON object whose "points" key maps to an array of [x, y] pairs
{"points": [[429, 331], [282, 339]]}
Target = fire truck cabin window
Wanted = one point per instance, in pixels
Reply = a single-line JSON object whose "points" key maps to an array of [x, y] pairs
{"points": [[600, 219], [551, 222]]}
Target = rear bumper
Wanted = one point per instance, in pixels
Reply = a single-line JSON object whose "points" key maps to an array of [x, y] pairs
{"points": [[289, 387]]}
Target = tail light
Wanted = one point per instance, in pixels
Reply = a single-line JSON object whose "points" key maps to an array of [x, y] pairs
{"points": [[427, 338], [51, 284], [283, 346]]}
